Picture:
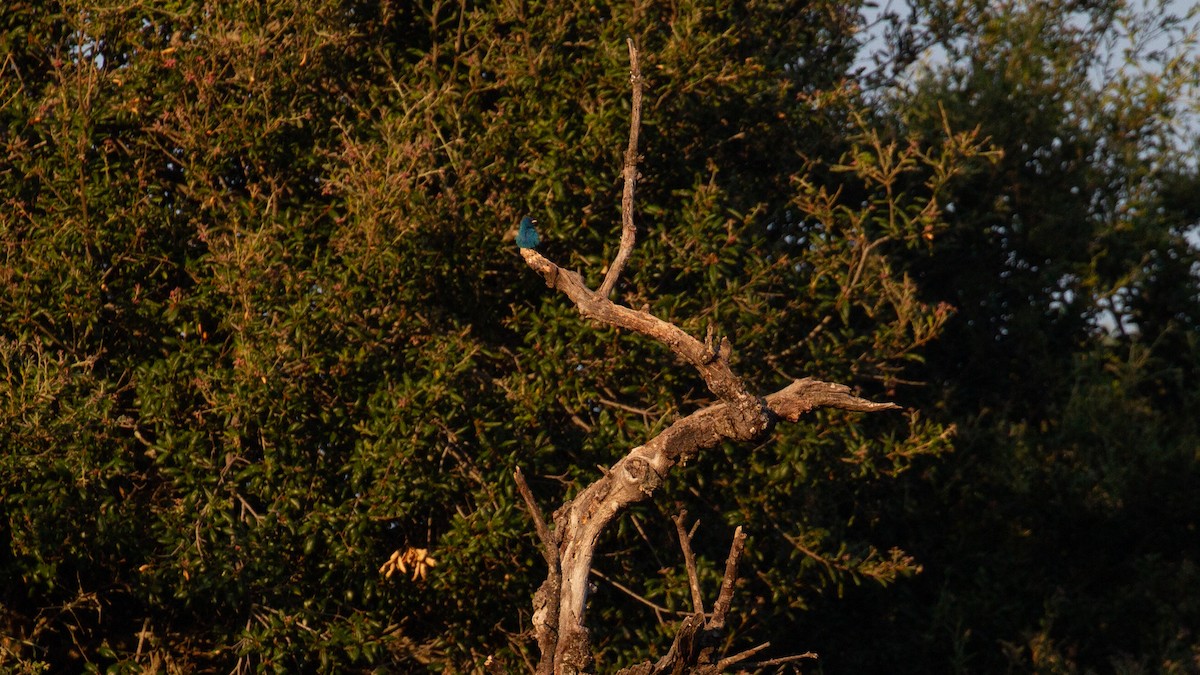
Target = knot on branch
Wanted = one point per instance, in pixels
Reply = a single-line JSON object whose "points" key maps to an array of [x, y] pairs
{"points": [[754, 417], [714, 348], [639, 472]]}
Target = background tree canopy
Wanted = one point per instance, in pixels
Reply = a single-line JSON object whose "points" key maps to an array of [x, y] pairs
{"points": [[263, 324]]}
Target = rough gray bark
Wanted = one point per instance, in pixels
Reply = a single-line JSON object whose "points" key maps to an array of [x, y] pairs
{"points": [[568, 548]]}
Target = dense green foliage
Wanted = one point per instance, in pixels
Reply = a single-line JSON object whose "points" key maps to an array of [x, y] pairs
{"points": [[1064, 530], [263, 323]]}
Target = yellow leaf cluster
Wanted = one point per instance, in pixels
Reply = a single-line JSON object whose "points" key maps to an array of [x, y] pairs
{"points": [[417, 558]]}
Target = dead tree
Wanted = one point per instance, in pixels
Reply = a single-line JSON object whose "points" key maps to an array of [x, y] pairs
{"points": [[568, 547]]}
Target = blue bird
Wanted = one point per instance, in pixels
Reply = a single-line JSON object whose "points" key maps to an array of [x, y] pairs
{"points": [[527, 236]]}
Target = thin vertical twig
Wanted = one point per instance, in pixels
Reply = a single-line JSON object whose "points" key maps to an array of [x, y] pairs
{"points": [[547, 603], [689, 559], [549, 549], [725, 596], [628, 231]]}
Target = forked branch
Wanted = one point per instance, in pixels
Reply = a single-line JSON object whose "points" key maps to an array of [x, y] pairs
{"points": [[739, 415]]}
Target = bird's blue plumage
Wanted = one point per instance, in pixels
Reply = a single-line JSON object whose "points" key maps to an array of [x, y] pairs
{"points": [[527, 236]]}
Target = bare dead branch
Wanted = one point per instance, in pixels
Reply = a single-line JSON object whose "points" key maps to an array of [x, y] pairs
{"points": [[725, 596], [658, 609], [807, 394], [549, 546], [741, 656], [684, 647], [592, 305], [547, 601], [640, 473], [630, 172], [560, 603], [689, 559], [772, 662], [694, 649]]}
